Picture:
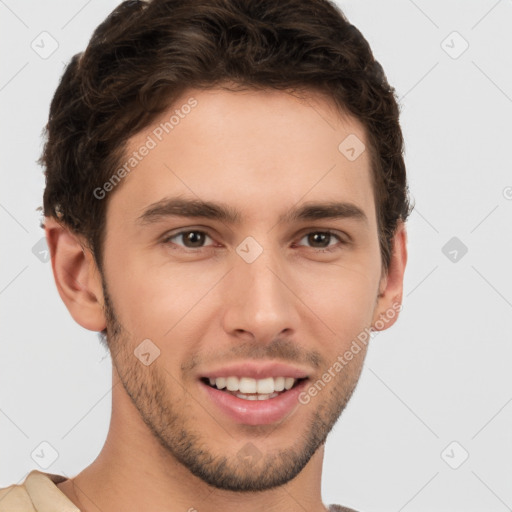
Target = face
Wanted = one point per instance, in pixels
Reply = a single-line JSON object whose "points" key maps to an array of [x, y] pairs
{"points": [[241, 287]]}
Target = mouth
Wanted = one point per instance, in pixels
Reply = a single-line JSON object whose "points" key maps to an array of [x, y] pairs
{"points": [[251, 401], [247, 388]]}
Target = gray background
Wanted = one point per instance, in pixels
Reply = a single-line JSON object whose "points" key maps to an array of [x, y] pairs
{"points": [[440, 375]]}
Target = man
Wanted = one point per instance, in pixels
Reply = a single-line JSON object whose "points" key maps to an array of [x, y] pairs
{"points": [[268, 131]]}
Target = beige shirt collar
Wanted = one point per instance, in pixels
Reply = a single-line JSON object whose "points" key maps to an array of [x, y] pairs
{"points": [[45, 494]]}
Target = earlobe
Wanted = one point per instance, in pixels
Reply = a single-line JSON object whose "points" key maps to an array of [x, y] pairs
{"points": [[76, 276], [389, 302]]}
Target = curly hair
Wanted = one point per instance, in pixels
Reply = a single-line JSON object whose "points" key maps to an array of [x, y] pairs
{"points": [[146, 54]]}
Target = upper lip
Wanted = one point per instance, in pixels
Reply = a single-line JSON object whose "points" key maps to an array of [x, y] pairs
{"points": [[257, 371]]}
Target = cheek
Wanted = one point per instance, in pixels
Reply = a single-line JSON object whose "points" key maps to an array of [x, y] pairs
{"points": [[152, 298], [342, 300]]}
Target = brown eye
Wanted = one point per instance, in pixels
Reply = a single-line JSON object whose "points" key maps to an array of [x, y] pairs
{"points": [[320, 240], [192, 239]]}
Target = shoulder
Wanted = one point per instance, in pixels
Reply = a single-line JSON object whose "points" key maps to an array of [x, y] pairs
{"points": [[37, 492], [15, 498]]}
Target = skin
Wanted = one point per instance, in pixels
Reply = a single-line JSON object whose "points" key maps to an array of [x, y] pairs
{"points": [[202, 305]]}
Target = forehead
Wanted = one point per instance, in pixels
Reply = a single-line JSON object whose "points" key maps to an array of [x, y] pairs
{"points": [[258, 150]]}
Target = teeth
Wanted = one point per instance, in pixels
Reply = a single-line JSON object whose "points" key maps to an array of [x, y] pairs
{"points": [[265, 386], [288, 382], [256, 397], [220, 382], [231, 383], [279, 384], [247, 385]]}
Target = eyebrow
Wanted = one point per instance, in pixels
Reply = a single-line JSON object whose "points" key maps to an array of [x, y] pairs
{"points": [[179, 207]]}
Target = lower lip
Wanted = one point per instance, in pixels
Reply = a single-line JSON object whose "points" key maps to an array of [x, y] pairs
{"points": [[256, 412]]}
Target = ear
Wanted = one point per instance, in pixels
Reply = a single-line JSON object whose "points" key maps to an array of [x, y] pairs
{"points": [[389, 302], [76, 275]]}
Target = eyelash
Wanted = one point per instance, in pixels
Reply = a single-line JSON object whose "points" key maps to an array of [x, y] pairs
{"points": [[167, 239]]}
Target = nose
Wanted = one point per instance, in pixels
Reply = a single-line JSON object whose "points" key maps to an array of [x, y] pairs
{"points": [[261, 304]]}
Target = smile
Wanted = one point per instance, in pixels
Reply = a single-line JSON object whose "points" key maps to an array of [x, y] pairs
{"points": [[248, 388], [254, 401]]}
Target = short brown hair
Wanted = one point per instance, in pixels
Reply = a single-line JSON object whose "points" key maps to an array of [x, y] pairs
{"points": [[147, 53]]}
